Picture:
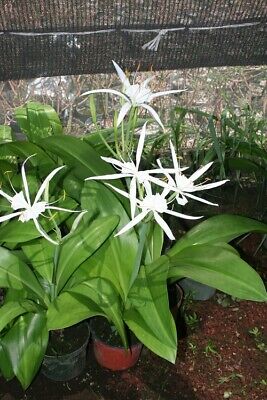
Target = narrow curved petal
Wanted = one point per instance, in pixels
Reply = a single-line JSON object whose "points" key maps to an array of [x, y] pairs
{"points": [[133, 222], [191, 196], [45, 183], [158, 94], [113, 161], [174, 157], [209, 185], [123, 111], [125, 194], [24, 179], [43, 233], [60, 209], [121, 75], [132, 193], [154, 114], [163, 225], [9, 216], [108, 177], [111, 91], [200, 171], [6, 196], [179, 215], [140, 146]]}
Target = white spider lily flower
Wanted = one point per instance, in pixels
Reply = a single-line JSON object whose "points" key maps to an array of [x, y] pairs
{"points": [[129, 169], [135, 95], [155, 204], [31, 210], [185, 186]]}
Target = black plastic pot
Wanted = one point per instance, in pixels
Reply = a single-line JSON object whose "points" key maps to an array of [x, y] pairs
{"points": [[67, 366], [199, 291]]}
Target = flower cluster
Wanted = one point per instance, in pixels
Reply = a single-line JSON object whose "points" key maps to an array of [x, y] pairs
{"points": [[173, 183]]}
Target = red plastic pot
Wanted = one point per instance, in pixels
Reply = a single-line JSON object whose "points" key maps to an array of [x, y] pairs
{"points": [[108, 351], [116, 358]]}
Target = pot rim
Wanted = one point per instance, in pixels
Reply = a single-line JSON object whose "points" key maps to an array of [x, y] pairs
{"points": [[75, 352]]}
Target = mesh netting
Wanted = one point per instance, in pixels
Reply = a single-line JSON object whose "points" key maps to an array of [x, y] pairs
{"points": [[62, 37]]}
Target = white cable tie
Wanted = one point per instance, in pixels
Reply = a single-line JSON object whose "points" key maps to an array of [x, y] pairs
{"points": [[154, 43]]}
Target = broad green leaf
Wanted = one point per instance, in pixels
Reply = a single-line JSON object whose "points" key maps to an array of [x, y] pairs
{"points": [[5, 134], [11, 310], [40, 253], [25, 149], [38, 120], [81, 245], [25, 345], [220, 268], [116, 259], [244, 165], [154, 243], [5, 365], [97, 297], [147, 310], [15, 274], [220, 228]]}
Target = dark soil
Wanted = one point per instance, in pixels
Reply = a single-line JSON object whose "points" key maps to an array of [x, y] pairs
{"points": [[67, 340]]}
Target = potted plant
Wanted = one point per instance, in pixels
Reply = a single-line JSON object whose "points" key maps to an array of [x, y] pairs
{"points": [[36, 263]]}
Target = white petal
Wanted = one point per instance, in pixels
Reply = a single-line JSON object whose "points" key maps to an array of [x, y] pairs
{"points": [[174, 158], [113, 161], [191, 196], [154, 95], [133, 222], [112, 91], [9, 216], [45, 183], [18, 201], [60, 209], [6, 196], [154, 114], [24, 179], [179, 215], [132, 193], [123, 111], [108, 177], [121, 75], [209, 185], [200, 171], [181, 200], [163, 225], [125, 194], [140, 146], [43, 233]]}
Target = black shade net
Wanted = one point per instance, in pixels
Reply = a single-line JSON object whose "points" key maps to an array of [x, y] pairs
{"points": [[63, 37]]}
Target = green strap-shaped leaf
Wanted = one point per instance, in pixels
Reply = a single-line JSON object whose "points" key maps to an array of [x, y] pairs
{"points": [[38, 120], [40, 253], [15, 274], [5, 134], [25, 149], [147, 310], [116, 259], [81, 245], [220, 228], [96, 296], [11, 310], [25, 345], [220, 268], [5, 365]]}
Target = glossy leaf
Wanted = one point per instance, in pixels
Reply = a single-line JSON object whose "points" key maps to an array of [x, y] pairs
{"points": [[15, 274], [25, 149], [38, 120], [116, 259], [25, 345], [147, 310], [220, 268], [81, 245], [5, 365], [220, 228], [5, 134], [40, 253], [10, 310]]}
